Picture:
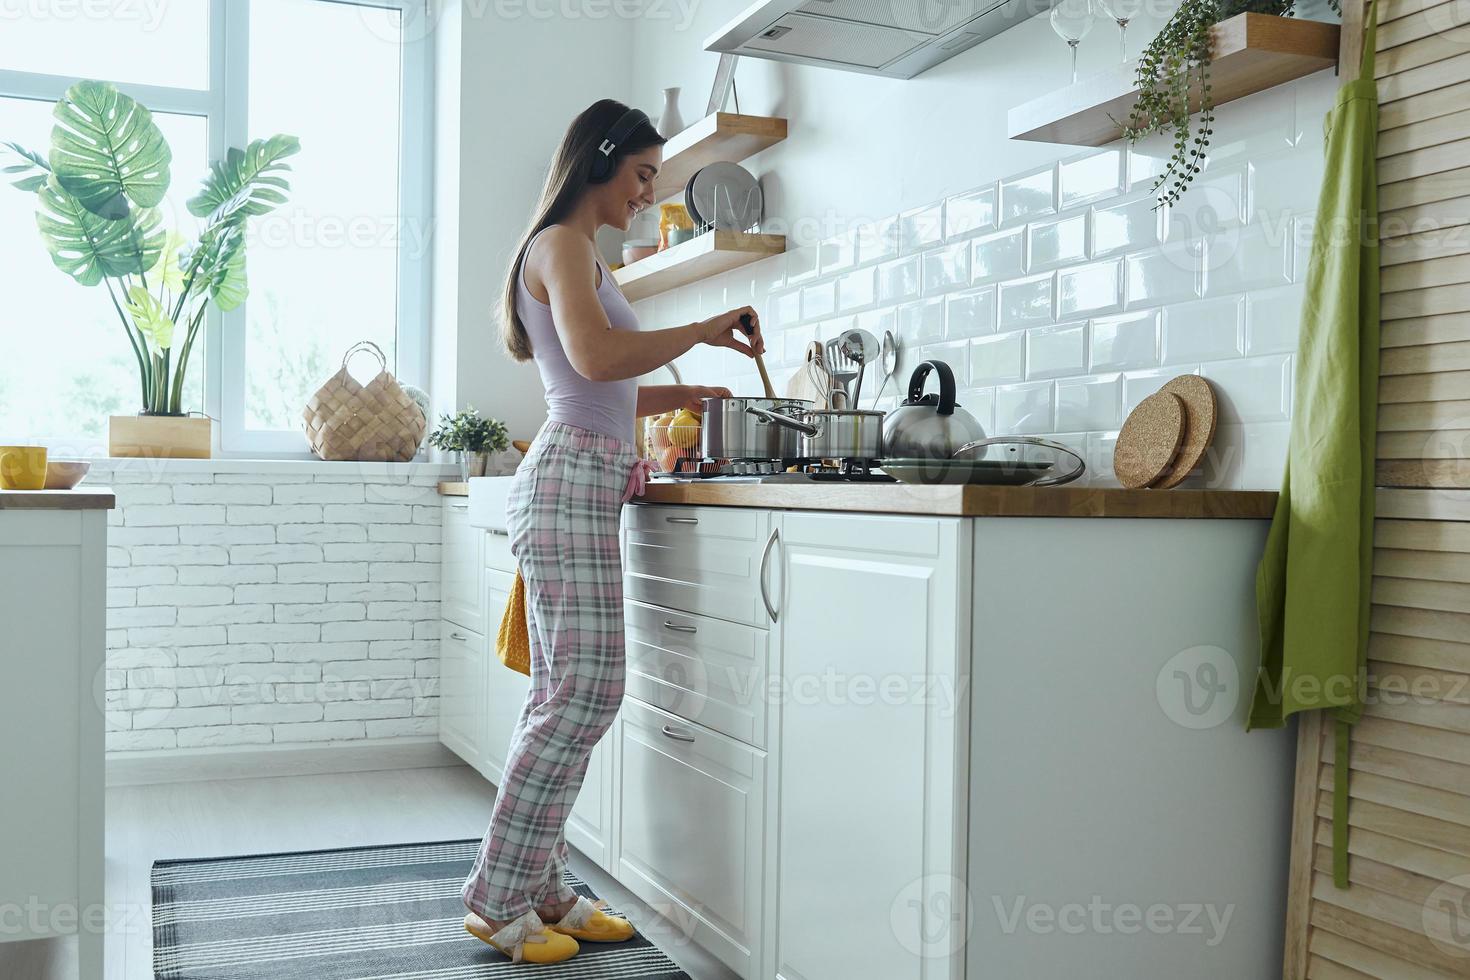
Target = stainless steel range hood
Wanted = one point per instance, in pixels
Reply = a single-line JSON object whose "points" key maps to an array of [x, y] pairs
{"points": [[895, 38]]}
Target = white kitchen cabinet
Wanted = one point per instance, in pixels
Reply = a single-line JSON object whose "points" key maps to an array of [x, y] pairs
{"points": [[504, 690], [53, 606], [692, 830], [871, 610], [460, 598], [590, 825], [462, 708], [700, 560]]}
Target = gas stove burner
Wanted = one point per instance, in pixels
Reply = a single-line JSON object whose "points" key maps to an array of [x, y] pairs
{"points": [[714, 468], [844, 471]]}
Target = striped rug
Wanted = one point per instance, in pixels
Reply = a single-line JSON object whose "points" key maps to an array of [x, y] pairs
{"points": [[357, 913]]}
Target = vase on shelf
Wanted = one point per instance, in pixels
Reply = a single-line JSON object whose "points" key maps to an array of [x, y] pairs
{"points": [[670, 122]]}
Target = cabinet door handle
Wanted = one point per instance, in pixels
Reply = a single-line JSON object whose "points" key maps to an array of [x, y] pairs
{"points": [[677, 735], [680, 629], [458, 636], [682, 520], [765, 560], [499, 531]]}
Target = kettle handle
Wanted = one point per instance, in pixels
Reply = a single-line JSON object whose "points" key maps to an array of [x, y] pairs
{"points": [[946, 385]]}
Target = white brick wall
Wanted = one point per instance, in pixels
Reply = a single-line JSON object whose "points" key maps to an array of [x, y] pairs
{"points": [[268, 603]]}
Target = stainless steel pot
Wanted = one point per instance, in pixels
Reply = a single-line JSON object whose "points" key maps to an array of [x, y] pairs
{"points": [[731, 431], [832, 433]]}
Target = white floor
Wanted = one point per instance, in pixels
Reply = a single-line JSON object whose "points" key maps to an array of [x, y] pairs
{"points": [[291, 813]]}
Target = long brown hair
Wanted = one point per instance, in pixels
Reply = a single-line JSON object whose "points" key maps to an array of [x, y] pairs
{"points": [[566, 180]]}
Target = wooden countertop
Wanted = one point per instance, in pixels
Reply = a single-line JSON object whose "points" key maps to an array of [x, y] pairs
{"points": [[971, 501], [454, 488], [85, 497]]}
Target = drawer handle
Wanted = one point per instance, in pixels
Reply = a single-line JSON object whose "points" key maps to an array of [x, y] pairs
{"points": [[458, 636], [682, 520], [496, 530], [761, 575], [677, 735], [680, 629]]}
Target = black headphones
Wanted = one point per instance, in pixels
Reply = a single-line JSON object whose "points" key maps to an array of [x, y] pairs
{"points": [[603, 165]]}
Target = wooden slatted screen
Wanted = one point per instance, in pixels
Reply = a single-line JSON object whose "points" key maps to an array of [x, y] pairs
{"points": [[1407, 914]]}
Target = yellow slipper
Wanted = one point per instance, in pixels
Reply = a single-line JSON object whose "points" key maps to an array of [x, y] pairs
{"points": [[525, 939], [589, 923]]}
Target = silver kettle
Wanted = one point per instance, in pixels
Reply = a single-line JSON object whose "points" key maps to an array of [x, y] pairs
{"points": [[929, 426]]}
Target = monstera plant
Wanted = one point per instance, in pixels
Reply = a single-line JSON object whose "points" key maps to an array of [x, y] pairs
{"points": [[98, 193]]}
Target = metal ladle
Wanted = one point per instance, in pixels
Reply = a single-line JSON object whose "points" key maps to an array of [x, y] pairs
{"points": [[861, 347]]}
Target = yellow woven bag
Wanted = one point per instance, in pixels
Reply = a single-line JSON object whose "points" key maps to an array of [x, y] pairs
{"points": [[513, 644]]}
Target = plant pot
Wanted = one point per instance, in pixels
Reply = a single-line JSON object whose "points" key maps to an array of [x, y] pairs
{"points": [[160, 436], [471, 464]]}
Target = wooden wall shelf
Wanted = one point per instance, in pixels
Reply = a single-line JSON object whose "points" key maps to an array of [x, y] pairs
{"points": [[1253, 52], [720, 136], [700, 257]]}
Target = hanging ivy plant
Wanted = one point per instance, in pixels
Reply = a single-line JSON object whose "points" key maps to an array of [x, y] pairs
{"points": [[1176, 66]]}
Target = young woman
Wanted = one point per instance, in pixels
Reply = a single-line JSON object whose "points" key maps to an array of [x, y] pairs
{"points": [[562, 308]]}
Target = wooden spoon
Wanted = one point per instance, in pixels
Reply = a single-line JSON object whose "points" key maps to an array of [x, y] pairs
{"points": [[760, 363]]}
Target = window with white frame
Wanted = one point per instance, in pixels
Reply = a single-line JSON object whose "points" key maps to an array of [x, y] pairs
{"points": [[343, 259]]}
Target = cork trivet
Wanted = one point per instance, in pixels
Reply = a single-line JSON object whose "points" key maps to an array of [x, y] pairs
{"points": [[1149, 440], [1200, 416]]}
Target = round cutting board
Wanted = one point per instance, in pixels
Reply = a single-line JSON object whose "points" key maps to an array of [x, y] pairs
{"points": [[1199, 426], [1149, 440]]}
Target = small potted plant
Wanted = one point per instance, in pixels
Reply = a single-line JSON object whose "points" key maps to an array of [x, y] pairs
{"points": [[472, 436]]}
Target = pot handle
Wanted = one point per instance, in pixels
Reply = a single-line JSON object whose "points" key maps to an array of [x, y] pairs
{"points": [[946, 385], [805, 428]]}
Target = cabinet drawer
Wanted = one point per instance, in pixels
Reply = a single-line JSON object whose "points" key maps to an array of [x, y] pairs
{"points": [[692, 804], [699, 668], [497, 552], [703, 560], [462, 574]]}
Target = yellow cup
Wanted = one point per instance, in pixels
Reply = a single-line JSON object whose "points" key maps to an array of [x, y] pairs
{"points": [[22, 467]]}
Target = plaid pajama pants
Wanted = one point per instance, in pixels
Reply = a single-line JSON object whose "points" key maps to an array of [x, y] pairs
{"points": [[563, 522]]}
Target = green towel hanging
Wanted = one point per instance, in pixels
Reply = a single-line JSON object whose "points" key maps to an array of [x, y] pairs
{"points": [[1313, 587]]}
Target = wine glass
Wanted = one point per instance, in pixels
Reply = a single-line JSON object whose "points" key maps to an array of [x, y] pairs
{"points": [[1122, 11], [1072, 19]]}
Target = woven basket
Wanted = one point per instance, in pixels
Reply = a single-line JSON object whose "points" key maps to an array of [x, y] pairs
{"points": [[378, 421]]}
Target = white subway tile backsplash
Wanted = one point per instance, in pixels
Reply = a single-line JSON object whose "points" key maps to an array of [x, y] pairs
{"points": [[1125, 342], [1127, 226], [857, 289], [819, 300], [970, 313], [801, 264], [1055, 352], [1024, 409], [955, 353], [877, 239], [921, 322], [980, 403], [1026, 302], [1166, 275], [920, 228], [1089, 289], [1273, 319], [1085, 403], [1265, 448], [946, 268], [1028, 196], [1205, 330], [1138, 385], [1091, 178], [996, 360], [1057, 243], [837, 254], [1259, 257], [998, 256], [1255, 389], [979, 280], [969, 213], [898, 280]]}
